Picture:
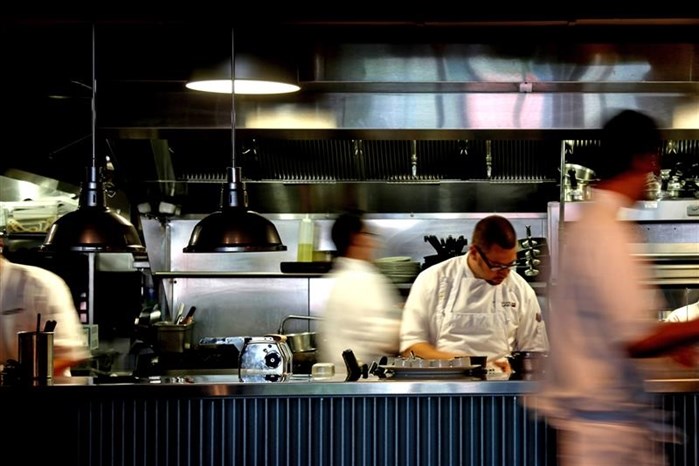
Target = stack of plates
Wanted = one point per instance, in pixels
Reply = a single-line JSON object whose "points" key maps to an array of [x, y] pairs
{"points": [[400, 269]]}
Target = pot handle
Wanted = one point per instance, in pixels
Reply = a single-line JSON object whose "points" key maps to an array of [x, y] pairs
{"points": [[292, 316], [277, 337]]}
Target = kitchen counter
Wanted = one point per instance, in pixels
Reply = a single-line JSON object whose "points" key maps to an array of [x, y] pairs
{"points": [[662, 376], [216, 419], [227, 383]]}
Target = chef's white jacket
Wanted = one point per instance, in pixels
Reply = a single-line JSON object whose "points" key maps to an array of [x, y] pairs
{"points": [[453, 310], [27, 290], [362, 313]]}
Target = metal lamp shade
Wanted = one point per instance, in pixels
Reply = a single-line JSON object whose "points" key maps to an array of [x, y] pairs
{"points": [[234, 229], [253, 75], [92, 229]]}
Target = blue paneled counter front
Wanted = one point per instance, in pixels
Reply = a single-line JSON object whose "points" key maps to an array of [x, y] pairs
{"points": [[217, 420]]}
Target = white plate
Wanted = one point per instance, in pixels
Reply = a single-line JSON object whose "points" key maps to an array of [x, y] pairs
{"points": [[394, 259], [401, 371]]}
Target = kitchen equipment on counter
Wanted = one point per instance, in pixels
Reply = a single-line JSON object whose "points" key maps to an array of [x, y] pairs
{"points": [[299, 342], [306, 267], [576, 182], [446, 248], [303, 345], [415, 367], [528, 364], [35, 356], [188, 318], [533, 261], [530, 243], [399, 269], [266, 358], [653, 189], [173, 338], [353, 369], [323, 370]]}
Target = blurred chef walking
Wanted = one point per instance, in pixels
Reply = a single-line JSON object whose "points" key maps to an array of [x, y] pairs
{"points": [[473, 305], [363, 309], [602, 316], [26, 291]]}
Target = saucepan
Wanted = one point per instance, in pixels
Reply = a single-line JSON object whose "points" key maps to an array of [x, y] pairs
{"points": [[299, 342]]}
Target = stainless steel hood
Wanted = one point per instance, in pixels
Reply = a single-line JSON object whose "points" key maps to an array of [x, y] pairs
{"points": [[380, 93], [437, 85]]}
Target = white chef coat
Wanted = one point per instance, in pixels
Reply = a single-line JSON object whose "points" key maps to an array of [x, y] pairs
{"points": [[27, 290], [453, 310], [362, 313], [684, 313]]}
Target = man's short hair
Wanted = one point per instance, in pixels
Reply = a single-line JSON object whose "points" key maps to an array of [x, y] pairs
{"points": [[494, 230]]}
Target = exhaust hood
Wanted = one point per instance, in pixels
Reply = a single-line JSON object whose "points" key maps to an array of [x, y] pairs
{"points": [[388, 111]]}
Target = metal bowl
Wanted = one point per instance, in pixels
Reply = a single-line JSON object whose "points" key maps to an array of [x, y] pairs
{"points": [[301, 342]]}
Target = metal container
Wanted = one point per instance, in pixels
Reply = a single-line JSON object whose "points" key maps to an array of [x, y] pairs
{"points": [[173, 338], [35, 355], [528, 362]]}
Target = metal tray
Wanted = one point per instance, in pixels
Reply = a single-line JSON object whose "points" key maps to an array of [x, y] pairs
{"points": [[402, 371]]}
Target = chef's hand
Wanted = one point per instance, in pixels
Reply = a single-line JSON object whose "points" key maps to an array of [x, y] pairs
{"points": [[427, 351], [503, 364]]}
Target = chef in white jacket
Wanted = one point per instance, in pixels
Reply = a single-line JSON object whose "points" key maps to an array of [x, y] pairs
{"points": [[363, 309], [26, 291], [473, 305]]}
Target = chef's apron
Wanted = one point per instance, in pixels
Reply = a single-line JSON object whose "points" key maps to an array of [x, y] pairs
{"points": [[476, 332]]}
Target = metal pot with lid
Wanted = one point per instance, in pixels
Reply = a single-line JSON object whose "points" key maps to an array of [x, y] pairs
{"points": [[576, 181]]}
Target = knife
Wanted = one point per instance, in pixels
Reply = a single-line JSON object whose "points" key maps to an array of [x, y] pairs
{"points": [[190, 315]]}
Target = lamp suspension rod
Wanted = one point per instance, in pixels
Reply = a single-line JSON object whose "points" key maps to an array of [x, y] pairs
{"points": [[93, 106], [233, 166]]}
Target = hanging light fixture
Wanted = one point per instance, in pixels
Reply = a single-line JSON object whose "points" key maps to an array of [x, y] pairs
{"points": [[254, 74], [92, 227], [234, 228]]}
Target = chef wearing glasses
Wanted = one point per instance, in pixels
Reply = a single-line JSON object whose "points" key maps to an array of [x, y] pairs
{"points": [[473, 304]]}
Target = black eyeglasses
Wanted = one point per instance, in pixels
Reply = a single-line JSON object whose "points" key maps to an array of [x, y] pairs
{"points": [[495, 267]]}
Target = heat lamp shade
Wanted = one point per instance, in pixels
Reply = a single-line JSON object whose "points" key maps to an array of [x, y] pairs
{"points": [[234, 229], [253, 75], [92, 229]]}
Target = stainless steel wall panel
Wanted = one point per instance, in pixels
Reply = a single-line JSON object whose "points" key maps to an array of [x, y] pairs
{"points": [[242, 306], [400, 235], [255, 305]]}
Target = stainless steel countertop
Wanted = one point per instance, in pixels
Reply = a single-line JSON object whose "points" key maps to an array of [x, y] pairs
{"points": [[231, 385]]}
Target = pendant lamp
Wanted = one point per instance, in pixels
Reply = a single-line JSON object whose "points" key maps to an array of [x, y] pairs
{"points": [[254, 74], [92, 227], [234, 228]]}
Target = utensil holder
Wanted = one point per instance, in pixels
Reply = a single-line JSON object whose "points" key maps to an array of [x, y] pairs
{"points": [[173, 338], [35, 355]]}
